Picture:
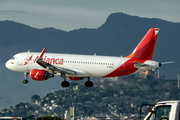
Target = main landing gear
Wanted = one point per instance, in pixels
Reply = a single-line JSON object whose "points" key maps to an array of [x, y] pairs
{"points": [[88, 83], [26, 75], [66, 83]]}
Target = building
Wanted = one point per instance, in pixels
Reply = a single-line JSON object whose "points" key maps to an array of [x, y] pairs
{"points": [[66, 115], [72, 113], [154, 74]]}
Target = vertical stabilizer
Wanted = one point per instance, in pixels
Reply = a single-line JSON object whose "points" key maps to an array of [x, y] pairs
{"points": [[145, 48]]}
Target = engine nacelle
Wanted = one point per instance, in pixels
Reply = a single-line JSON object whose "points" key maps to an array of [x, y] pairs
{"points": [[75, 78], [40, 75]]}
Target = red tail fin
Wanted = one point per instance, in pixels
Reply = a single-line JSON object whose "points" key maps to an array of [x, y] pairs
{"points": [[145, 48]]}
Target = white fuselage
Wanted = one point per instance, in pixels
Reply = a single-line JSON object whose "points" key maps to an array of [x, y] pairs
{"points": [[84, 65]]}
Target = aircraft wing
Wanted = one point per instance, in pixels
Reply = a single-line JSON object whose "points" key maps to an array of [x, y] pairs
{"points": [[54, 69]]}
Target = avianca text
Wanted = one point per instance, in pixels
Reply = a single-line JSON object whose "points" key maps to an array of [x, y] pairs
{"points": [[57, 61]]}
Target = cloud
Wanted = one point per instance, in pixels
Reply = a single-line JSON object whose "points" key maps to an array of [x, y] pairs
{"points": [[10, 12], [68, 15]]}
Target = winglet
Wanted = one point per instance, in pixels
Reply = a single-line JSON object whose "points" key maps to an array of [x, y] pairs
{"points": [[42, 53], [39, 60]]}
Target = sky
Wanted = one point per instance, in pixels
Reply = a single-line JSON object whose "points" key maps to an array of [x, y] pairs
{"points": [[74, 14]]}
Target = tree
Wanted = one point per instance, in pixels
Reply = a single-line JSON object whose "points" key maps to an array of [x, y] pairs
{"points": [[50, 96], [103, 107], [149, 77], [17, 106], [119, 111], [30, 117], [22, 112], [9, 113], [90, 112], [48, 118], [35, 97]]}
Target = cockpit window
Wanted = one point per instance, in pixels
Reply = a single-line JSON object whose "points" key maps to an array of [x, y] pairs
{"points": [[13, 58]]}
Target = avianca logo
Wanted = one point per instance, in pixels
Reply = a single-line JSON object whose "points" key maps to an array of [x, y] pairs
{"points": [[56, 61], [26, 62], [36, 75]]}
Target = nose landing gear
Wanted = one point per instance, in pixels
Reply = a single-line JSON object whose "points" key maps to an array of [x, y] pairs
{"points": [[26, 75]]}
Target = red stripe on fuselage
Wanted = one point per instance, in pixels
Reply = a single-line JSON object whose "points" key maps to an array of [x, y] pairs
{"points": [[125, 69]]}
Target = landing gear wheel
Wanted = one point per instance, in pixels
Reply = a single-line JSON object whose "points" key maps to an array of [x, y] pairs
{"points": [[65, 84], [88, 83], [25, 81]]}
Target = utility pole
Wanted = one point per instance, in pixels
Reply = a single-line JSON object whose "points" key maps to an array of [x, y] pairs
{"points": [[178, 81], [130, 100], [157, 74], [52, 90], [0, 99]]}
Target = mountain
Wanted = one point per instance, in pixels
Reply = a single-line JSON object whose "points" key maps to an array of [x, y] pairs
{"points": [[119, 35], [109, 97]]}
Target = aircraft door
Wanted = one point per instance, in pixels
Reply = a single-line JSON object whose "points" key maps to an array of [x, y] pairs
{"points": [[21, 60], [122, 65]]}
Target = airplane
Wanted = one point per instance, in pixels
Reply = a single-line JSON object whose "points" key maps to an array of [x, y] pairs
{"points": [[42, 66]]}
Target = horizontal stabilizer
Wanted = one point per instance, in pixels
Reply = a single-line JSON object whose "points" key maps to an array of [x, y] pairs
{"points": [[139, 64], [167, 62]]}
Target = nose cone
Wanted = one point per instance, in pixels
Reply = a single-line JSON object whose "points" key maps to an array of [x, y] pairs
{"points": [[8, 64]]}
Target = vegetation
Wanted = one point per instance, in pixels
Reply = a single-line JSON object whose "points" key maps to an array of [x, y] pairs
{"points": [[48, 118], [112, 97]]}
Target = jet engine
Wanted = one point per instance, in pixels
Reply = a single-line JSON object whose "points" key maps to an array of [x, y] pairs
{"points": [[40, 75]]}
